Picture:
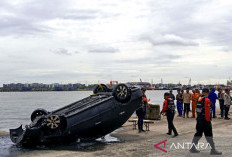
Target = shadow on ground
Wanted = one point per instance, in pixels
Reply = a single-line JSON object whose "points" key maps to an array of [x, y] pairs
{"points": [[8, 149]]}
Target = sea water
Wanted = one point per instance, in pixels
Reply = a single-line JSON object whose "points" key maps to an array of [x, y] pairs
{"points": [[16, 107]]}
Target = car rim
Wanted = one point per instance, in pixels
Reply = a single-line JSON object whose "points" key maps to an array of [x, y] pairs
{"points": [[122, 91], [53, 122]]}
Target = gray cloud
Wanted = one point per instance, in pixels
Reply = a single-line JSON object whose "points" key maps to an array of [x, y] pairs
{"points": [[88, 15], [188, 21], [20, 26], [155, 59], [61, 51], [29, 17], [170, 40], [104, 50], [169, 29]]}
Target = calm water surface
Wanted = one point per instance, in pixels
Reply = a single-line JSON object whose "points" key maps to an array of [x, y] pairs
{"points": [[16, 107]]}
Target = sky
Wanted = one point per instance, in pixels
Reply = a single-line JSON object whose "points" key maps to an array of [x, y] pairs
{"points": [[88, 41]]}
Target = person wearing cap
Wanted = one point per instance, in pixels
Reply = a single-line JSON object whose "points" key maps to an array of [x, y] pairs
{"points": [[141, 112], [227, 103], [179, 102], [213, 97], [203, 124], [221, 101], [169, 109]]}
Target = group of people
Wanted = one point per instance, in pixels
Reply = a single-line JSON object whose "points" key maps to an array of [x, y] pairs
{"points": [[183, 101], [203, 109]]}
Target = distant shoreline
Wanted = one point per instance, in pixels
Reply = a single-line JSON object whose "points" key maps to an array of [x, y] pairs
{"points": [[45, 91]]}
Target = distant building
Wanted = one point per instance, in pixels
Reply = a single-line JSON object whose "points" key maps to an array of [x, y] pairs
{"points": [[229, 83], [42, 87], [139, 84]]}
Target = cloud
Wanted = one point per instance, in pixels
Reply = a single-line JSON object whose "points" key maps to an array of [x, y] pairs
{"points": [[104, 50], [82, 14], [157, 59], [26, 18], [169, 40], [61, 51], [20, 27], [148, 40], [188, 21], [76, 52]]}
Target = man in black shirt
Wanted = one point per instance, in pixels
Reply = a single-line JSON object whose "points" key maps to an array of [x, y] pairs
{"points": [[141, 112], [171, 95]]}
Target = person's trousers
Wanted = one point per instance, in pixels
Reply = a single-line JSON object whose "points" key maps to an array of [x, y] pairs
{"points": [[194, 105], [206, 128], [140, 122], [186, 108], [170, 116], [179, 108], [227, 108], [214, 110], [222, 107]]}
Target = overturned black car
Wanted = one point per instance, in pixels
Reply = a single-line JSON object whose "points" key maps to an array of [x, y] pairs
{"points": [[90, 118]]}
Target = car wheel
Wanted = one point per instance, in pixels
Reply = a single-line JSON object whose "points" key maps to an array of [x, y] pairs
{"points": [[37, 113], [122, 93], [53, 122], [100, 88]]}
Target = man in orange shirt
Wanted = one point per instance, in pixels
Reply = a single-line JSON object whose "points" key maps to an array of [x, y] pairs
{"points": [[194, 98]]}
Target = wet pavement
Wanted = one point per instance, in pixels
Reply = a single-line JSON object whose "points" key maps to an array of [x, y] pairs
{"points": [[9, 149]]}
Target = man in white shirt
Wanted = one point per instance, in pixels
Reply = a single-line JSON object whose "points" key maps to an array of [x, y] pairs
{"points": [[227, 103]]}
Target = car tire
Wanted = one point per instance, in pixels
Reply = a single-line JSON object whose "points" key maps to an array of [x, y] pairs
{"points": [[37, 113], [100, 88], [122, 93]]}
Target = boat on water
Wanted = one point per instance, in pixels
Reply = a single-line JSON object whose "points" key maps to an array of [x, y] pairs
{"points": [[90, 118]]}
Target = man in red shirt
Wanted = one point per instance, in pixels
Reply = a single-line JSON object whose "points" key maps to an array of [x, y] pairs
{"points": [[204, 123], [169, 108]]}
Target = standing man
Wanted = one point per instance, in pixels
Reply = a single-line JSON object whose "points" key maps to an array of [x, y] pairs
{"points": [[179, 102], [227, 103], [141, 112], [198, 91], [213, 97], [186, 98], [171, 95], [221, 101], [204, 123], [169, 108], [194, 98]]}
